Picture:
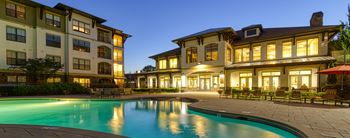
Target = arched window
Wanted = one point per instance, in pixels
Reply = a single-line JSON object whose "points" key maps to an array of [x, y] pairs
{"points": [[104, 68], [211, 52], [104, 52], [191, 55]]}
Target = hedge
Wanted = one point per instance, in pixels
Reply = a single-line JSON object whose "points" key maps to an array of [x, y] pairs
{"points": [[46, 89]]}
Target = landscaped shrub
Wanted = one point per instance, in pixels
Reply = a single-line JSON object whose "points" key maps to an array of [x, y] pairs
{"points": [[48, 89]]}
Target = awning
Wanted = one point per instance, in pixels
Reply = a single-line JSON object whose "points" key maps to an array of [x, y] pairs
{"points": [[297, 61]]}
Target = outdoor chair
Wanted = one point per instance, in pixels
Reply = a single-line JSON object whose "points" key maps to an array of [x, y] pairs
{"points": [[330, 95], [244, 94], [279, 95], [227, 93], [127, 91], [345, 99], [295, 95], [256, 94], [95, 92]]}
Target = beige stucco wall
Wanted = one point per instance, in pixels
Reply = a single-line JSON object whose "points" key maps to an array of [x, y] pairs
{"points": [[201, 52], [27, 47]]}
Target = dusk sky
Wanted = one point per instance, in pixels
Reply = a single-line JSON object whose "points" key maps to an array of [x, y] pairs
{"points": [[154, 23]]}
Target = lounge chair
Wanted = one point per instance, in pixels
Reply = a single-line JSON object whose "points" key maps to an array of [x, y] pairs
{"points": [[330, 95], [95, 92], [227, 93], [127, 91], [256, 94], [295, 95], [279, 95], [245, 93], [345, 99]]}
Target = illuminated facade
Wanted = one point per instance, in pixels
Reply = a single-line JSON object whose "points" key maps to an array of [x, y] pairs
{"points": [[253, 57], [92, 53]]}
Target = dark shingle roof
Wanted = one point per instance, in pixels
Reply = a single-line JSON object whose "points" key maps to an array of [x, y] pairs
{"points": [[176, 51], [273, 33], [212, 30], [61, 6]]}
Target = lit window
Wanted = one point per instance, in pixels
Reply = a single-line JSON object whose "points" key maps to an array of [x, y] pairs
{"points": [[118, 70], [162, 64], [211, 52], [300, 79], [53, 80], [307, 47], [229, 55], [271, 51], [287, 49], [242, 55], [81, 27], [82, 81], [312, 46], [191, 55], [238, 55], [301, 48], [256, 52], [173, 63], [118, 55], [117, 40]]}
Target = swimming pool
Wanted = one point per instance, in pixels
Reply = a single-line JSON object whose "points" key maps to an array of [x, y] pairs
{"points": [[135, 118]]}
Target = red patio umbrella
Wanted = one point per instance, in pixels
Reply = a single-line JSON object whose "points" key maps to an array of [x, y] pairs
{"points": [[343, 69]]}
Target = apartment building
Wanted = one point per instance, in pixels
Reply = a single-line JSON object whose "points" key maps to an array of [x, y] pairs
{"points": [[253, 57], [92, 53]]}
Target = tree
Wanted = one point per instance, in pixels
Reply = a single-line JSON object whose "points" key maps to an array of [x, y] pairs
{"points": [[148, 68], [40, 69], [344, 36]]}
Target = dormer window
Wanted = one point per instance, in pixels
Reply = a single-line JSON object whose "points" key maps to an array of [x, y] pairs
{"points": [[251, 32]]}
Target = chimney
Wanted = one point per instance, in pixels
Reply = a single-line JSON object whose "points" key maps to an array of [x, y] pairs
{"points": [[316, 19]]}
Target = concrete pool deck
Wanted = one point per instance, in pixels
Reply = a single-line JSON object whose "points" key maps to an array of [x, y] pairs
{"points": [[315, 120]]}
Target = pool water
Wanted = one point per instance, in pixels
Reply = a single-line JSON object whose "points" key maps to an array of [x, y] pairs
{"points": [[139, 118]]}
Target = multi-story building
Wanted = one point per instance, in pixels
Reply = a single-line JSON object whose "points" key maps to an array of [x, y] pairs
{"points": [[268, 58], [90, 51]]}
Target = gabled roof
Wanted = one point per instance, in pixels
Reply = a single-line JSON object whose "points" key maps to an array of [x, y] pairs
{"points": [[61, 6], [274, 33], [252, 27], [208, 31], [176, 51], [39, 5]]}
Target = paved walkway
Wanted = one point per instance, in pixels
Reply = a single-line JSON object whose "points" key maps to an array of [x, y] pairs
{"points": [[28, 131], [313, 119]]}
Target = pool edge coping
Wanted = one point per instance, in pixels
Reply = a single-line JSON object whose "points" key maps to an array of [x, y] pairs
{"points": [[295, 129]]}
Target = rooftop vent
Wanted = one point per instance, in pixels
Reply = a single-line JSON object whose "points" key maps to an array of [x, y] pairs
{"points": [[316, 19]]}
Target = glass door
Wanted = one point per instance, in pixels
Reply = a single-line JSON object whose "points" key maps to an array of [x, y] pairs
{"points": [[270, 83], [215, 82], [177, 82], [192, 82], [204, 82]]}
